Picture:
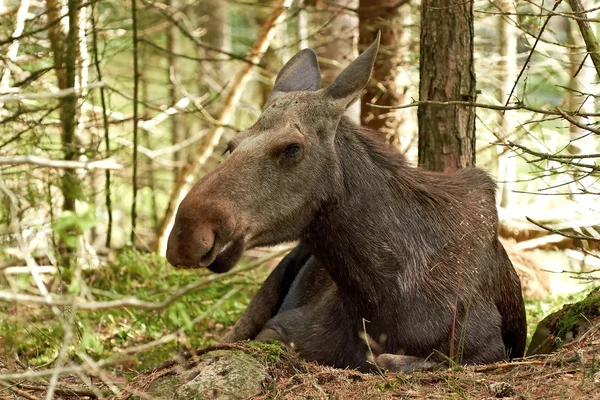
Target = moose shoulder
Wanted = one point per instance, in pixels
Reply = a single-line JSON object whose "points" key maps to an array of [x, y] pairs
{"points": [[405, 259]]}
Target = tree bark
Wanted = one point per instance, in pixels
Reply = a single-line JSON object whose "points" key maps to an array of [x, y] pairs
{"points": [[446, 133], [384, 87]]}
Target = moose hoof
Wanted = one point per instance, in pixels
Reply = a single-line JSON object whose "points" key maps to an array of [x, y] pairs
{"points": [[400, 363]]}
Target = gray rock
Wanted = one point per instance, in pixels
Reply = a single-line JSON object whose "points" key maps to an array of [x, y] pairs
{"points": [[220, 374]]}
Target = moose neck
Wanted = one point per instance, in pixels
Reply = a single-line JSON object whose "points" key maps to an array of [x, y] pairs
{"points": [[378, 230]]}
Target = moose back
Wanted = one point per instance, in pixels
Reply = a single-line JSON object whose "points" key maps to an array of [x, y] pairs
{"points": [[404, 260]]}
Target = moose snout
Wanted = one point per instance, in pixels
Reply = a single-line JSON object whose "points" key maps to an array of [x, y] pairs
{"points": [[197, 239], [189, 247]]}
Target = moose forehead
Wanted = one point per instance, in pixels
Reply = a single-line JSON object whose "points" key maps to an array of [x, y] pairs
{"points": [[286, 116]]}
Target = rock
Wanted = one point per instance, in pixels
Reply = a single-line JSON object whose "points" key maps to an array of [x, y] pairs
{"points": [[502, 389], [565, 325], [222, 374]]}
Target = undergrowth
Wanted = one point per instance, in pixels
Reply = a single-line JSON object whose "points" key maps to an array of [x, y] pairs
{"points": [[34, 335]]}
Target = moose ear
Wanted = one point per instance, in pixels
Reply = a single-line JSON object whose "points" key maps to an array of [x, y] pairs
{"points": [[352, 80], [301, 72]]}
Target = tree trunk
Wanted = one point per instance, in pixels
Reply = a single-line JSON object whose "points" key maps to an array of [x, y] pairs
{"points": [[385, 87], [64, 44], [446, 132], [64, 49]]}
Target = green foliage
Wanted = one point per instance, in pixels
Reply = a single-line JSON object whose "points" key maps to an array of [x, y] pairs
{"points": [[36, 335], [69, 225]]}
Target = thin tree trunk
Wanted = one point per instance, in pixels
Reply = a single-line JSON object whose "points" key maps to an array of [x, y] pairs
{"points": [[136, 83], [507, 73], [384, 88], [213, 136], [13, 48], [107, 196], [145, 89], [64, 48], [212, 16], [178, 131], [446, 133], [581, 74], [592, 45]]}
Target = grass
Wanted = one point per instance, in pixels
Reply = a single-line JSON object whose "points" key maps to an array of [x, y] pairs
{"points": [[35, 334]]}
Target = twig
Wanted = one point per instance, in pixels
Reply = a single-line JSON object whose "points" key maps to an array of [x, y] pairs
{"points": [[494, 367], [17, 391], [64, 390], [567, 235], [577, 123], [537, 39]]}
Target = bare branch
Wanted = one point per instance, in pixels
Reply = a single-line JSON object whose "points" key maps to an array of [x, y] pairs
{"points": [[51, 95], [132, 301], [106, 164]]}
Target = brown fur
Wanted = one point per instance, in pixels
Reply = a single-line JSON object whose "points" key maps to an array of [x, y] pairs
{"points": [[406, 257]]}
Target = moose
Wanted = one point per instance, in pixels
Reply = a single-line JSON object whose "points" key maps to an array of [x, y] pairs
{"points": [[396, 267]]}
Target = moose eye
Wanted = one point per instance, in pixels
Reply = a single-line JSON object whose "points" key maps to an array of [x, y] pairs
{"points": [[292, 150]]}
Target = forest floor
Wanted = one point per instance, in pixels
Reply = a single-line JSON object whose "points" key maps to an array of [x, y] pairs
{"points": [[571, 373], [31, 337]]}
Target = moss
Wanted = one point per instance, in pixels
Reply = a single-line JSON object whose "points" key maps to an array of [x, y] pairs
{"points": [[564, 325], [273, 352], [588, 308]]}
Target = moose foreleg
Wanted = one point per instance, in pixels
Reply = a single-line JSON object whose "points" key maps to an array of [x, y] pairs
{"points": [[265, 304]]}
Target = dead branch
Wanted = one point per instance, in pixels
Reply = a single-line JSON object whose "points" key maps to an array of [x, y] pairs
{"points": [[106, 164], [577, 123], [50, 95], [567, 235], [132, 301], [518, 106]]}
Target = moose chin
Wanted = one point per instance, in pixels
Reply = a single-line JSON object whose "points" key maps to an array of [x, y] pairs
{"points": [[406, 259]]}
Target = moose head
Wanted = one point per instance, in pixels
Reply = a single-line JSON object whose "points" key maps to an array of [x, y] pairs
{"points": [[279, 172]]}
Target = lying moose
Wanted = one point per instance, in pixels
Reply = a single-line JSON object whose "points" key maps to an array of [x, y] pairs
{"points": [[392, 261]]}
